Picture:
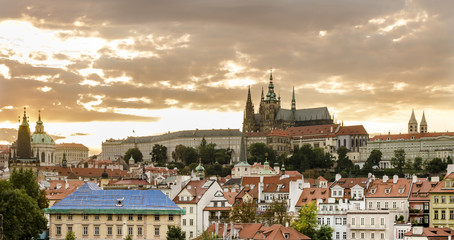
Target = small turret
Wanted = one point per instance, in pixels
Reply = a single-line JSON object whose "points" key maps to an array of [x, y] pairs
{"points": [[104, 174], [293, 101], [200, 170], [64, 162]]}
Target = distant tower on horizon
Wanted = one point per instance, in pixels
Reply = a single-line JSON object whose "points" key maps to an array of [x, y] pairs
{"points": [[423, 125], [413, 124], [24, 147]]}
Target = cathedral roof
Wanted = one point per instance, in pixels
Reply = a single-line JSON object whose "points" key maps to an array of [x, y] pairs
{"points": [[307, 114]]}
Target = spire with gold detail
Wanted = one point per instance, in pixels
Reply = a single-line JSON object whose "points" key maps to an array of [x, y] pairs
{"points": [[39, 128], [293, 100], [271, 95]]}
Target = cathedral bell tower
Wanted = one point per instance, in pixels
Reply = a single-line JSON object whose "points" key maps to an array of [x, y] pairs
{"points": [[269, 107], [423, 125], [413, 124], [248, 119], [24, 147]]}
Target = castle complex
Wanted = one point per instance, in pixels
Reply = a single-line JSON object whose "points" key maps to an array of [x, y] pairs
{"points": [[272, 116]]}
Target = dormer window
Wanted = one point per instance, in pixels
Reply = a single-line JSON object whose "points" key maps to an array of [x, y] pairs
{"points": [[448, 183], [286, 235], [373, 190], [388, 190], [401, 190], [120, 202]]}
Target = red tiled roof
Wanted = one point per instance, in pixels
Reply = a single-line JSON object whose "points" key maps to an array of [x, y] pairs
{"points": [[279, 133], [378, 188], [258, 231], [84, 172], [230, 196], [293, 173], [441, 188], [317, 131], [195, 188], [313, 194], [348, 183], [420, 190], [352, 130], [410, 135], [432, 232]]}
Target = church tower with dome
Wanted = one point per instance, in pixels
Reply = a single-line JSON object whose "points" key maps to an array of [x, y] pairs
{"points": [[43, 146]]}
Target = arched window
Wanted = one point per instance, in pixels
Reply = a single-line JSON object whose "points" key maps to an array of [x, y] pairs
{"points": [[43, 157]]}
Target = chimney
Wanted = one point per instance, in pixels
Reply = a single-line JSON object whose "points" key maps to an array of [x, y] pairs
{"points": [[395, 178], [338, 177], [261, 179], [417, 230], [385, 178], [414, 178], [434, 179], [331, 128]]}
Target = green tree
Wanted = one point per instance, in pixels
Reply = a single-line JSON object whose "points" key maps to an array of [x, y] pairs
{"points": [[184, 154], [343, 162], [175, 233], [207, 152], [159, 154], [277, 213], [325, 232], [25, 179], [244, 212], [398, 161], [22, 217], [417, 164], [128, 237], [136, 155], [435, 165], [373, 159], [70, 236], [42, 200], [306, 223], [257, 153]]}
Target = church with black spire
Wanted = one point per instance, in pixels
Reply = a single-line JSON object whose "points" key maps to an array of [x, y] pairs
{"points": [[271, 116]]}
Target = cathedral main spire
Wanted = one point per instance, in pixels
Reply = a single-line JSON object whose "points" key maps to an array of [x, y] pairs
{"points": [[271, 95], [293, 100]]}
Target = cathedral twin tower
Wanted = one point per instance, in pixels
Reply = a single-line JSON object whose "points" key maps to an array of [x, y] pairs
{"points": [[413, 124]]}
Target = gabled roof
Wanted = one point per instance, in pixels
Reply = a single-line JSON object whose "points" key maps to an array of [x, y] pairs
{"points": [[420, 190], [348, 183], [230, 196], [432, 232], [313, 194], [91, 199], [441, 186], [388, 189], [196, 188], [258, 231], [352, 130]]}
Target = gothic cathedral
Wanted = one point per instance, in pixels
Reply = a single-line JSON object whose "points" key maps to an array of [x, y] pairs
{"points": [[271, 116]]}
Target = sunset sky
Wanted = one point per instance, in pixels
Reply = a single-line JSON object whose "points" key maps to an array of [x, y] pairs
{"points": [[101, 69]]}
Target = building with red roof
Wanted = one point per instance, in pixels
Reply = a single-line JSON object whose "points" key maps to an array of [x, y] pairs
{"points": [[426, 233], [255, 231], [423, 144]]}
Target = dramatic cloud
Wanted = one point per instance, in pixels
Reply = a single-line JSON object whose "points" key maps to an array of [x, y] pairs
{"points": [[127, 61]]}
